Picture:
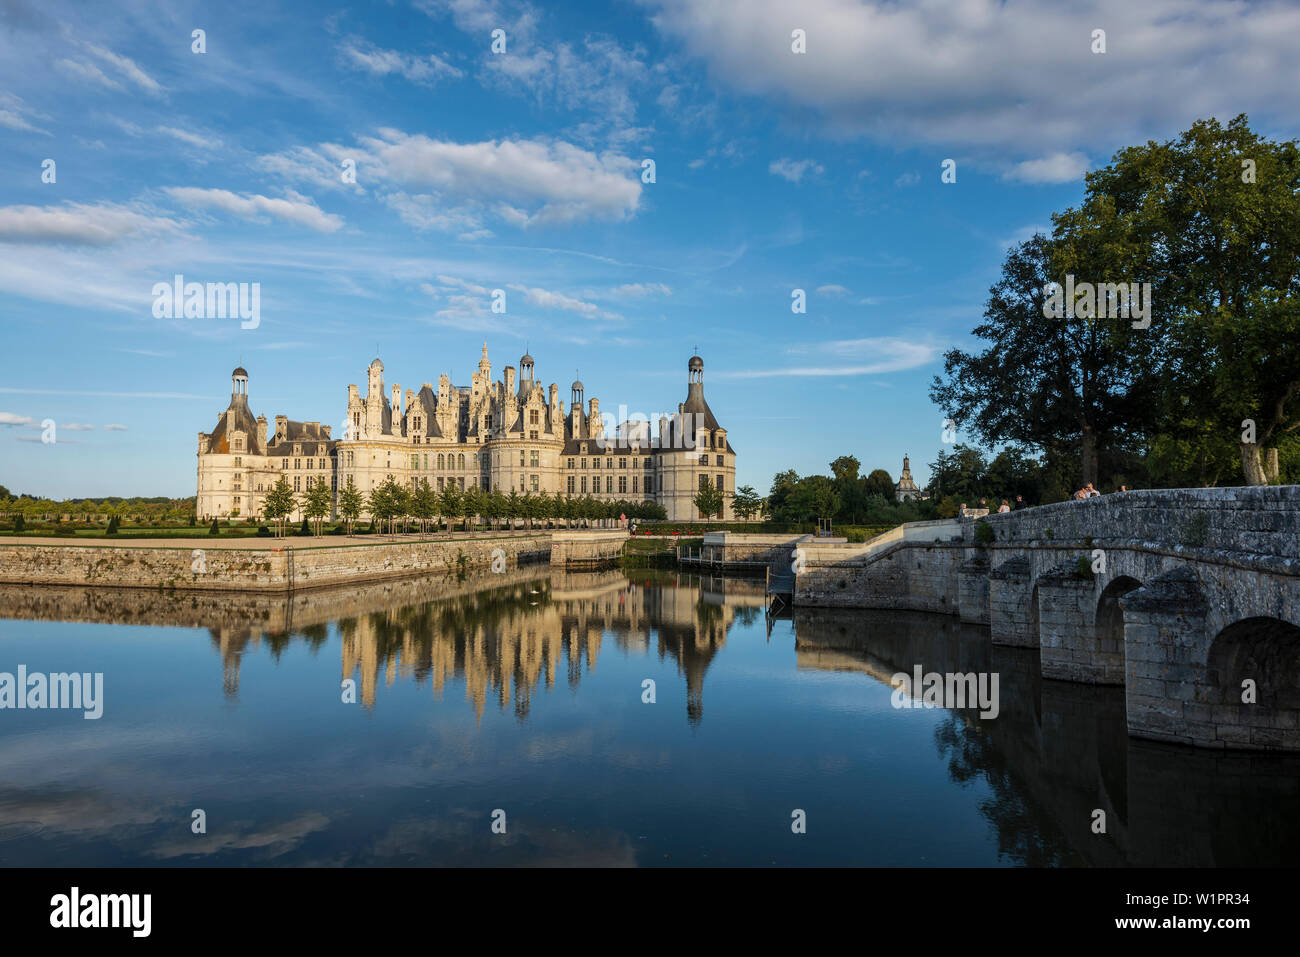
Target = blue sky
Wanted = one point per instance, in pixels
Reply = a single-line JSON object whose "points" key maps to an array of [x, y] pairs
{"points": [[522, 171]]}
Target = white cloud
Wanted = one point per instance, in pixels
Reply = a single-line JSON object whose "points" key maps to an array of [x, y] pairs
{"points": [[12, 418], [81, 70], [883, 354], [1057, 168], [525, 182], [908, 179], [832, 289], [194, 139], [16, 115], [127, 68], [547, 299], [296, 209], [424, 212], [114, 427], [794, 170], [77, 223], [637, 290], [425, 70], [322, 166], [1000, 80], [77, 427]]}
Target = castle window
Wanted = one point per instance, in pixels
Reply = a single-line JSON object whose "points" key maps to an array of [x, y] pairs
{"points": [[622, 463], [595, 463], [704, 460], [426, 460], [521, 460], [584, 464], [440, 464], [721, 463], [622, 484], [704, 481], [719, 478], [570, 463], [571, 484], [296, 486], [286, 464], [417, 423], [462, 485], [415, 461], [532, 416], [649, 484], [609, 463], [532, 480], [634, 484], [239, 462], [532, 434], [584, 484], [461, 461], [609, 484], [239, 444], [441, 480], [532, 458], [297, 463]]}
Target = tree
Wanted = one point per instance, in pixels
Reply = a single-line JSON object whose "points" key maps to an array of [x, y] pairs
{"points": [[879, 482], [382, 503], [450, 503], [402, 502], [1070, 381], [215, 529], [1211, 218], [475, 500], [747, 503], [496, 506], [350, 504], [514, 507], [318, 502], [280, 503], [708, 499]]}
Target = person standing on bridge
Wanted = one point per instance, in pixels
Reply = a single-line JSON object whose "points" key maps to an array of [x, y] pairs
{"points": [[1004, 507]]}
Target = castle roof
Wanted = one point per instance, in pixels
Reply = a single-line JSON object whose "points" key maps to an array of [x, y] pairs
{"points": [[236, 418]]}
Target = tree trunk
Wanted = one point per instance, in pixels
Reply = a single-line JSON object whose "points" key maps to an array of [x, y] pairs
{"points": [[1252, 464], [1271, 465], [1088, 449]]}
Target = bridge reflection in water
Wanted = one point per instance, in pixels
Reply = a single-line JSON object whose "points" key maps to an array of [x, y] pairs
{"points": [[757, 706], [1060, 750]]}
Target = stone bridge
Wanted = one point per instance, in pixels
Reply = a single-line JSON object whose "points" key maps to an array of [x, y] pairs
{"points": [[1189, 598]]}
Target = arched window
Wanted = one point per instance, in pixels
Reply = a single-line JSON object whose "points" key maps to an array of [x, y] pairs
{"points": [[461, 463], [440, 462]]}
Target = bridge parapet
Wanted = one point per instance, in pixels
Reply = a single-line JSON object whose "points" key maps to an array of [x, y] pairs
{"points": [[1256, 520]]}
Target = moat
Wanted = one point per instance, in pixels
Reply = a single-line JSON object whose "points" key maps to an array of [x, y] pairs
{"points": [[525, 693]]}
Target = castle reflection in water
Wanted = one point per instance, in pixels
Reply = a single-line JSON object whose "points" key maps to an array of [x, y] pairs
{"points": [[504, 635], [1056, 753]]}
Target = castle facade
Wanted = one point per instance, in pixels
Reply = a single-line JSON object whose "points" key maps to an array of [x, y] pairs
{"points": [[508, 434]]}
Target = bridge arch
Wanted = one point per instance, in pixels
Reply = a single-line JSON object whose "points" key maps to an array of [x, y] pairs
{"points": [[1264, 650], [1110, 617]]}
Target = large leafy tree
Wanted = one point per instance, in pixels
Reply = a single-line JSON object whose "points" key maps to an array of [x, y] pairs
{"points": [[1215, 219], [1067, 382]]}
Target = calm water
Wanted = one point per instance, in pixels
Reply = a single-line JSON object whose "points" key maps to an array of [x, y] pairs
{"points": [[524, 693]]}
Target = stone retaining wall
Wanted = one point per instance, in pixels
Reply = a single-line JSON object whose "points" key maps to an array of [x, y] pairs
{"points": [[274, 568]]}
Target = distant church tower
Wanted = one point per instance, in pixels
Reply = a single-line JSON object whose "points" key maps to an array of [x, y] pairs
{"points": [[906, 490]]}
